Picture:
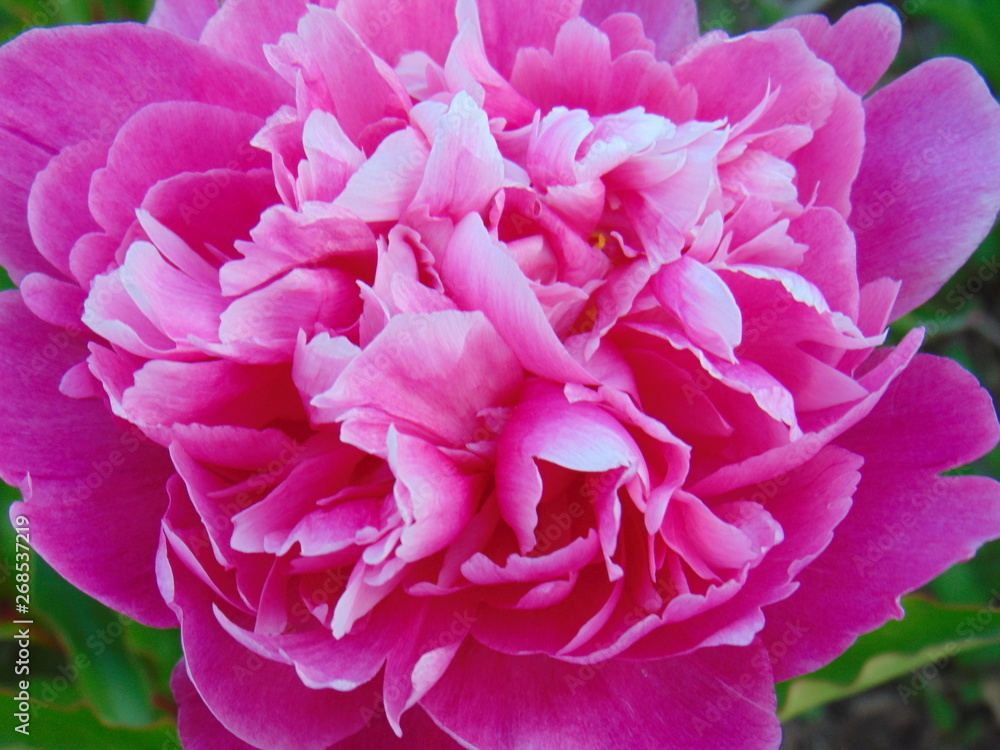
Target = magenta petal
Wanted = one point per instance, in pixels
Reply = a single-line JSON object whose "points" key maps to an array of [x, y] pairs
{"points": [[535, 24], [78, 83], [262, 702], [84, 477], [906, 525], [860, 46], [703, 700], [197, 726], [672, 24], [182, 17], [393, 28], [202, 137], [58, 214], [240, 30], [929, 186], [419, 733]]}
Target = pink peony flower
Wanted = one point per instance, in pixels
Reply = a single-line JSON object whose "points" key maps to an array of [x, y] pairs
{"points": [[494, 375]]}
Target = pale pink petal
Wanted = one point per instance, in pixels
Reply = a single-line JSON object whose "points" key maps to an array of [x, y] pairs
{"points": [[286, 239], [435, 371], [479, 275], [341, 73], [703, 305], [385, 185], [435, 496], [581, 437], [263, 326], [464, 169]]}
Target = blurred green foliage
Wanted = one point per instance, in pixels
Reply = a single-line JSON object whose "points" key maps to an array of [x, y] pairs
{"points": [[19, 15], [101, 681]]}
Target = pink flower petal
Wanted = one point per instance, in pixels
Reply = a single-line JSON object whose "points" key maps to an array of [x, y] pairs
{"points": [[262, 702], [83, 474], [197, 726], [917, 215], [906, 525], [106, 73], [393, 28], [182, 17], [860, 46], [432, 372], [672, 24], [241, 30], [479, 275], [689, 701]]}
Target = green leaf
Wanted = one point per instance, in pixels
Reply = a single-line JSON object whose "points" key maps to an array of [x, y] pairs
{"points": [[160, 649], [109, 676], [928, 637], [77, 728]]}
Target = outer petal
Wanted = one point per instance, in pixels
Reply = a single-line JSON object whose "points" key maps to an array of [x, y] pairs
{"points": [[80, 83], [58, 214], [672, 24], [263, 702], [241, 29], [419, 733], [506, 29], [201, 137], [906, 525], [183, 17], [670, 703], [84, 478], [929, 186], [198, 728], [860, 46]]}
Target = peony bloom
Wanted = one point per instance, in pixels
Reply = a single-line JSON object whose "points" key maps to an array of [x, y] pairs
{"points": [[498, 375]]}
